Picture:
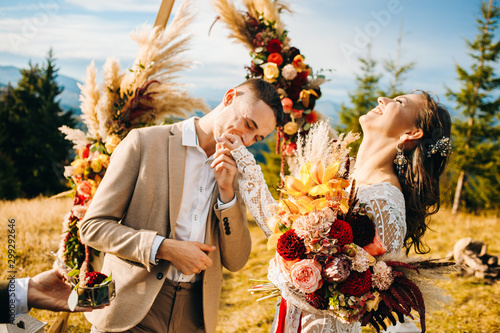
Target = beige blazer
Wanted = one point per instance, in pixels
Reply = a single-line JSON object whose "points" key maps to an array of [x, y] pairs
{"points": [[140, 197]]}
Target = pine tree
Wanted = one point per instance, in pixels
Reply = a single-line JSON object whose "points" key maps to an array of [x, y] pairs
{"points": [[476, 132], [363, 99], [31, 143]]}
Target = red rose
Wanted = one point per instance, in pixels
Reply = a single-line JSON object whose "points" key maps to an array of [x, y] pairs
{"points": [[342, 232], [312, 117], [317, 299], [290, 246], [94, 278], [357, 284], [276, 58], [363, 229], [274, 46]]}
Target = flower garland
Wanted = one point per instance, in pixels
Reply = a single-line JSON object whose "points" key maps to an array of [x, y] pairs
{"points": [[273, 59]]}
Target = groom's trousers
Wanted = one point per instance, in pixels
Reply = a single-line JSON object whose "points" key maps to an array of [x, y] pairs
{"points": [[178, 308]]}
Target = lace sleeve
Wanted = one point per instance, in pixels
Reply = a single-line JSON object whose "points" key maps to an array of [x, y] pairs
{"points": [[386, 203], [253, 188]]}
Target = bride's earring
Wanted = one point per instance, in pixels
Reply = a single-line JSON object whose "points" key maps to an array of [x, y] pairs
{"points": [[400, 159]]}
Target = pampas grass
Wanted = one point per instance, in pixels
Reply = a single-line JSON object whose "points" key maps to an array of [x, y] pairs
{"points": [[236, 20], [320, 144], [161, 57]]}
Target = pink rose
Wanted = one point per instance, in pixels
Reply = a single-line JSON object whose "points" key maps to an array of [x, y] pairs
{"points": [[306, 275], [84, 188]]}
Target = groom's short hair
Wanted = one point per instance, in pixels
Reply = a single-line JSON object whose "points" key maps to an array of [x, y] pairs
{"points": [[266, 92]]}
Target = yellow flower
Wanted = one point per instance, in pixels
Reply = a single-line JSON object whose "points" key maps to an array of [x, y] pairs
{"points": [[96, 165], [304, 96], [112, 142], [271, 71], [79, 166], [104, 159], [290, 128]]}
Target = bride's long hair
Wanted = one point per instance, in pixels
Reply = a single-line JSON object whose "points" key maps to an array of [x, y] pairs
{"points": [[420, 181]]}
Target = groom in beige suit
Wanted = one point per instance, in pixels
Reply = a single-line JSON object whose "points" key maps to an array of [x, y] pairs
{"points": [[168, 216]]}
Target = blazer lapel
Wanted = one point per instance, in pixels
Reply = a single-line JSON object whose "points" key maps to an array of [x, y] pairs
{"points": [[176, 167]]}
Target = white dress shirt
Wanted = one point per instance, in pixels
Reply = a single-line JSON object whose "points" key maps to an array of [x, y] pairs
{"points": [[199, 182]]}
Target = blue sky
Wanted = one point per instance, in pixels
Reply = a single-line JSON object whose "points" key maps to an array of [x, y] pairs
{"points": [[330, 33]]}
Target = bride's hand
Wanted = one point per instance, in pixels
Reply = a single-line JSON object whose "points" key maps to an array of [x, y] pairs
{"points": [[230, 141]]}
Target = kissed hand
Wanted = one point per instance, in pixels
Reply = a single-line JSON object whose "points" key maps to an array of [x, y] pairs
{"points": [[230, 141]]}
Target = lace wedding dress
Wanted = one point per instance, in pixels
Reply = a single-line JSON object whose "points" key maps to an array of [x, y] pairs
{"points": [[384, 201]]}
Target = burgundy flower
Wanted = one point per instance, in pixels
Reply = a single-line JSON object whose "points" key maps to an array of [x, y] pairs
{"points": [[342, 232], [293, 92], [94, 278], [357, 284], [363, 229], [300, 79], [292, 52], [274, 45], [317, 299], [290, 246]]}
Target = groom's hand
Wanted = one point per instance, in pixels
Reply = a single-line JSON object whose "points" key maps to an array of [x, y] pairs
{"points": [[224, 171], [187, 256]]}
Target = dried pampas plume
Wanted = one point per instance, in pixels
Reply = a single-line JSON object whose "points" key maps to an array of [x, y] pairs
{"points": [[321, 143], [89, 97], [236, 20], [160, 59]]}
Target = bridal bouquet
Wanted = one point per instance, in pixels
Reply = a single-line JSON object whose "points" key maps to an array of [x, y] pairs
{"points": [[329, 257]]}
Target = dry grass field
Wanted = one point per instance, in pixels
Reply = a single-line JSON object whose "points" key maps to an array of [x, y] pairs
{"points": [[476, 306]]}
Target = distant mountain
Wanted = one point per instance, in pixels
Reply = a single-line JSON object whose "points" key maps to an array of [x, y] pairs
{"points": [[68, 98]]}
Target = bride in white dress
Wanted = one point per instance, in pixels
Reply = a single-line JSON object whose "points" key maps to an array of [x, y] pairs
{"points": [[409, 130]]}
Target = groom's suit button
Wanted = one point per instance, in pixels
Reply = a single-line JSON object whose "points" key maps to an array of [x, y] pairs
{"points": [[159, 276], [225, 220]]}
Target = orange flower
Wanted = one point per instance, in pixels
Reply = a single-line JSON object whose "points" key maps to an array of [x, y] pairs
{"points": [[287, 104], [276, 58], [312, 117]]}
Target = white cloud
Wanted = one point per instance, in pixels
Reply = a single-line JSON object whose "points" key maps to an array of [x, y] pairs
{"points": [[143, 6]]}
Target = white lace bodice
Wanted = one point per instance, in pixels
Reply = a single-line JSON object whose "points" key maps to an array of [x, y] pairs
{"points": [[384, 201]]}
